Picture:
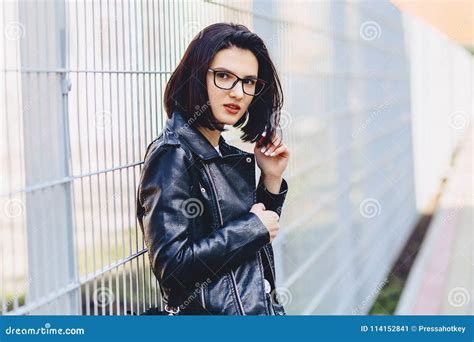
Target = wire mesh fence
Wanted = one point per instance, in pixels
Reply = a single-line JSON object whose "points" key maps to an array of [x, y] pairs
{"points": [[81, 98]]}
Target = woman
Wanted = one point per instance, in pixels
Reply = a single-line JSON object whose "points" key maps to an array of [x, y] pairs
{"points": [[207, 226]]}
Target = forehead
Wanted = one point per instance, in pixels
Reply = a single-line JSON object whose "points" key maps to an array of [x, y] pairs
{"points": [[240, 61]]}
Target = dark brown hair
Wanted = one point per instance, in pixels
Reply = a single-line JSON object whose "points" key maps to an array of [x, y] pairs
{"points": [[186, 90]]}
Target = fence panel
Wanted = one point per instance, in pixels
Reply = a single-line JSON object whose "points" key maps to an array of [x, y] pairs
{"points": [[82, 97]]}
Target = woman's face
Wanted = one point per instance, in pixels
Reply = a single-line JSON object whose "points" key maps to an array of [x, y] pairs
{"points": [[242, 63]]}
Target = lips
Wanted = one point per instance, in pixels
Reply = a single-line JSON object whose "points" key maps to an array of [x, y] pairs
{"points": [[232, 106]]}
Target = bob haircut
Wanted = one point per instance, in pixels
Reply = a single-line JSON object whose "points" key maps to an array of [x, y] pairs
{"points": [[185, 91]]}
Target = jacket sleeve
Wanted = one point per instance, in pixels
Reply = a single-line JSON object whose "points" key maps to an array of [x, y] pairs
{"points": [[272, 201], [176, 258]]}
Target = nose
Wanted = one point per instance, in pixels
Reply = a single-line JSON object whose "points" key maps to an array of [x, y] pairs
{"points": [[237, 91]]}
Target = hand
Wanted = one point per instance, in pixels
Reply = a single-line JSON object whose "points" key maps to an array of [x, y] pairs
{"points": [[274, 158], [269, 219]]}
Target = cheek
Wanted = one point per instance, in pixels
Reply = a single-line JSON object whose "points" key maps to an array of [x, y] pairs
{"points": [[212, 93]]}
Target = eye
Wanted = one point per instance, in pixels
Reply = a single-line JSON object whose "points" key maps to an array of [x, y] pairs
{"points": [[250, 81], [222, 74]]}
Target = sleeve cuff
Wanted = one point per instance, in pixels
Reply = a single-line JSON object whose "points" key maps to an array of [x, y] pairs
{"points": [[272, 201]]}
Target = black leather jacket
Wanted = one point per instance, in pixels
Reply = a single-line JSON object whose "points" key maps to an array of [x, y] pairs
{"points": [[208, 252]]}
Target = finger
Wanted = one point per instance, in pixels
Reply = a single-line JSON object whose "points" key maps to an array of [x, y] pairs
{"points": [[271, 147], [282, 151], [269, 150], [275, 142], [259, 206], [275, 215], [272, 151], [265, 148]]}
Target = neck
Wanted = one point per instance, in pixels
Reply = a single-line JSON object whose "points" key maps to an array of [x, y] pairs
{"points": [[211, 135]]}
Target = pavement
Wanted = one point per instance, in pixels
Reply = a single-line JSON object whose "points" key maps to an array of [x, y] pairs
{"points": [[441, 281]]}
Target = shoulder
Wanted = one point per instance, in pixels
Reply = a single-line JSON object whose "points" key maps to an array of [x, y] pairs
{"points": [[165, 163], [167, 150]]}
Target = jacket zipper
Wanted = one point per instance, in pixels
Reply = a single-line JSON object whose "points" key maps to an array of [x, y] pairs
{"points": [[234, 282], [237, 292], [202, 297], [272, 310], [260, 257], [270, 264]]}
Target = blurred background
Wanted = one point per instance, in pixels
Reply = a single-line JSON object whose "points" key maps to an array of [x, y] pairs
{"points": [[378, 114]]}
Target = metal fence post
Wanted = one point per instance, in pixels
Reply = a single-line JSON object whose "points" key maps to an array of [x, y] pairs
{"points": [[346, 246], [50, 235]]}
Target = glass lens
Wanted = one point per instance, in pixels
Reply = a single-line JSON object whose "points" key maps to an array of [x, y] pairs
{"points": [[227, 80], [224, 79], [249, 86]]}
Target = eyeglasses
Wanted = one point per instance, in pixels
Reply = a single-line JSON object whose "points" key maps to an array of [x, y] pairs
{"points": [[227, 80]]}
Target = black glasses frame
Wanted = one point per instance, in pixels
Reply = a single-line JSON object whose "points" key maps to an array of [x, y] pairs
{"points": [[258, 80]]}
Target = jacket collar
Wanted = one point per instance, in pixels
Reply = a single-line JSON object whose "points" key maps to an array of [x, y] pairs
{"points": [[197, 142]]}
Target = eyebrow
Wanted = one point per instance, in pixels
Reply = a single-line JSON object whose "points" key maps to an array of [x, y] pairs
{"points": [[225, 69]]}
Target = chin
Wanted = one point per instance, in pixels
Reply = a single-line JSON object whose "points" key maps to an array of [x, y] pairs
{"points": [[228, 119]]}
